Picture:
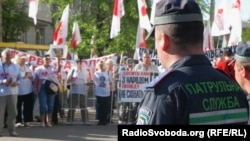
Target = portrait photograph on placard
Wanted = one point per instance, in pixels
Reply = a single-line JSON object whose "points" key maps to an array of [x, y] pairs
{"points": [[58, 51]]}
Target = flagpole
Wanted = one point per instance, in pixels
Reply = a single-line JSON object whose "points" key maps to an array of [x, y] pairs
{"points": [[92, 45]]}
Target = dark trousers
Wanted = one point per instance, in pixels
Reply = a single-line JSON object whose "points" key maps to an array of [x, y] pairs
{"points": [[25, 105], [56, 109], [103, 109], [5, 118]]}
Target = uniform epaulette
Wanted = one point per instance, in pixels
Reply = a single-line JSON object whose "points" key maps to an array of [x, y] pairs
{"points": [[162, 75]]}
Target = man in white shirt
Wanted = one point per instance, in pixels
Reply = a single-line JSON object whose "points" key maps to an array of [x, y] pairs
{"points": [[9, 80]]}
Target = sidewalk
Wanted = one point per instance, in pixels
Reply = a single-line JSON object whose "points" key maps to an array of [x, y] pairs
{"points": [[64, 133], [76, 131]]}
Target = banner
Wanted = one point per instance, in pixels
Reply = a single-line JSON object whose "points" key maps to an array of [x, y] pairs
{"points": [[90, 64], [133, 85]]}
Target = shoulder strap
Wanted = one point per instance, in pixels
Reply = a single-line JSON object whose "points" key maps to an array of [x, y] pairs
{"points": [[4, 70]]}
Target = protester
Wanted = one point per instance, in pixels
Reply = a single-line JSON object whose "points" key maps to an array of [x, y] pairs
{"points": [[102, 92], [242, 69], [113, 87], [78, 78], [44, 73], [123, 64], [226, 65], [9, 81], [124, 113], [25, 102], [148, 66], [59, 100], [190, 91]]}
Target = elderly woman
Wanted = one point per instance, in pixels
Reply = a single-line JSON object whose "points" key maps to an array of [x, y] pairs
{"points": [[25, 101], [102, 82], [43, 74]]}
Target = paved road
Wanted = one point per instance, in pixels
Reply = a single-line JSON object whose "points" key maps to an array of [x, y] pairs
{"points": [[64, 133]]}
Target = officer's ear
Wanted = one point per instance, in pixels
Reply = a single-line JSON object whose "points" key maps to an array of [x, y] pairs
{"points": [[166, 40], [244, 72]]}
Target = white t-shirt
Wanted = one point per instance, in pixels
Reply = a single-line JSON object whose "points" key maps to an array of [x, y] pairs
{"points": [[26, 85], [140, 67], [102, 83], [78, 81], [48, 73]]}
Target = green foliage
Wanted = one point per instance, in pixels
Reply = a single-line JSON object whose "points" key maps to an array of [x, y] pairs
{"points": [[95, 17], [15, 19], [246, 35]]}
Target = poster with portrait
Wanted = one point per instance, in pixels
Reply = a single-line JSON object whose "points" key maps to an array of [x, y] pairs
{"points": [[58, 51]]}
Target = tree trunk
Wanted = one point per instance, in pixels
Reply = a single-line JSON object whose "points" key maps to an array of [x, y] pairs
{"points": [[212, 6]]}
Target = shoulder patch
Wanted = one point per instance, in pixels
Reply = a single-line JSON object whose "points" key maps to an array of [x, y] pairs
{"points": [[144, 116], [162, 75]]}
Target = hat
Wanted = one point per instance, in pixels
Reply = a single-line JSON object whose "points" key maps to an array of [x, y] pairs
{"points": [[47, 54], [124, 57], [227, 51], [130, 61], [242, 52], [175, 11]]}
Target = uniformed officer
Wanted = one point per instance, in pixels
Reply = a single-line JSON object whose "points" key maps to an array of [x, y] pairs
{"points": [[190, 91], [242, 68]]}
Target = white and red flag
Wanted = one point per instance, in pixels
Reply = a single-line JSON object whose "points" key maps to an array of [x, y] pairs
{"points": [[140, 38], [33, 9], [61, 31], [152, 14], [143, 15], [76, 36], [220, 24], [118, 13], [208, 43], [236, 23]]}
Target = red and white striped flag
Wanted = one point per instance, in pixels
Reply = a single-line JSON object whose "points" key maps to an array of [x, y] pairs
{"points": [[220, 25], [143, 16], [140, 38], [118, 13], [61, 31], [33, 9], [76, 36], [236, 23], [208, 43]]}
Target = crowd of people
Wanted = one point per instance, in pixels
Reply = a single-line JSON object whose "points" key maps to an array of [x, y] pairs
{"points": [[180, 94], [23, 86], [183, 93]]}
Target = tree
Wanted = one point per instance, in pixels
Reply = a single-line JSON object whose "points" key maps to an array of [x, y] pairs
{"points": [[94, 18], [14, 19], [246, 34]]}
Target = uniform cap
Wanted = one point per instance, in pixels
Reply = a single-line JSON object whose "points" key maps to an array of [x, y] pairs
{"points": [[176, 11], [242, 52]]}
